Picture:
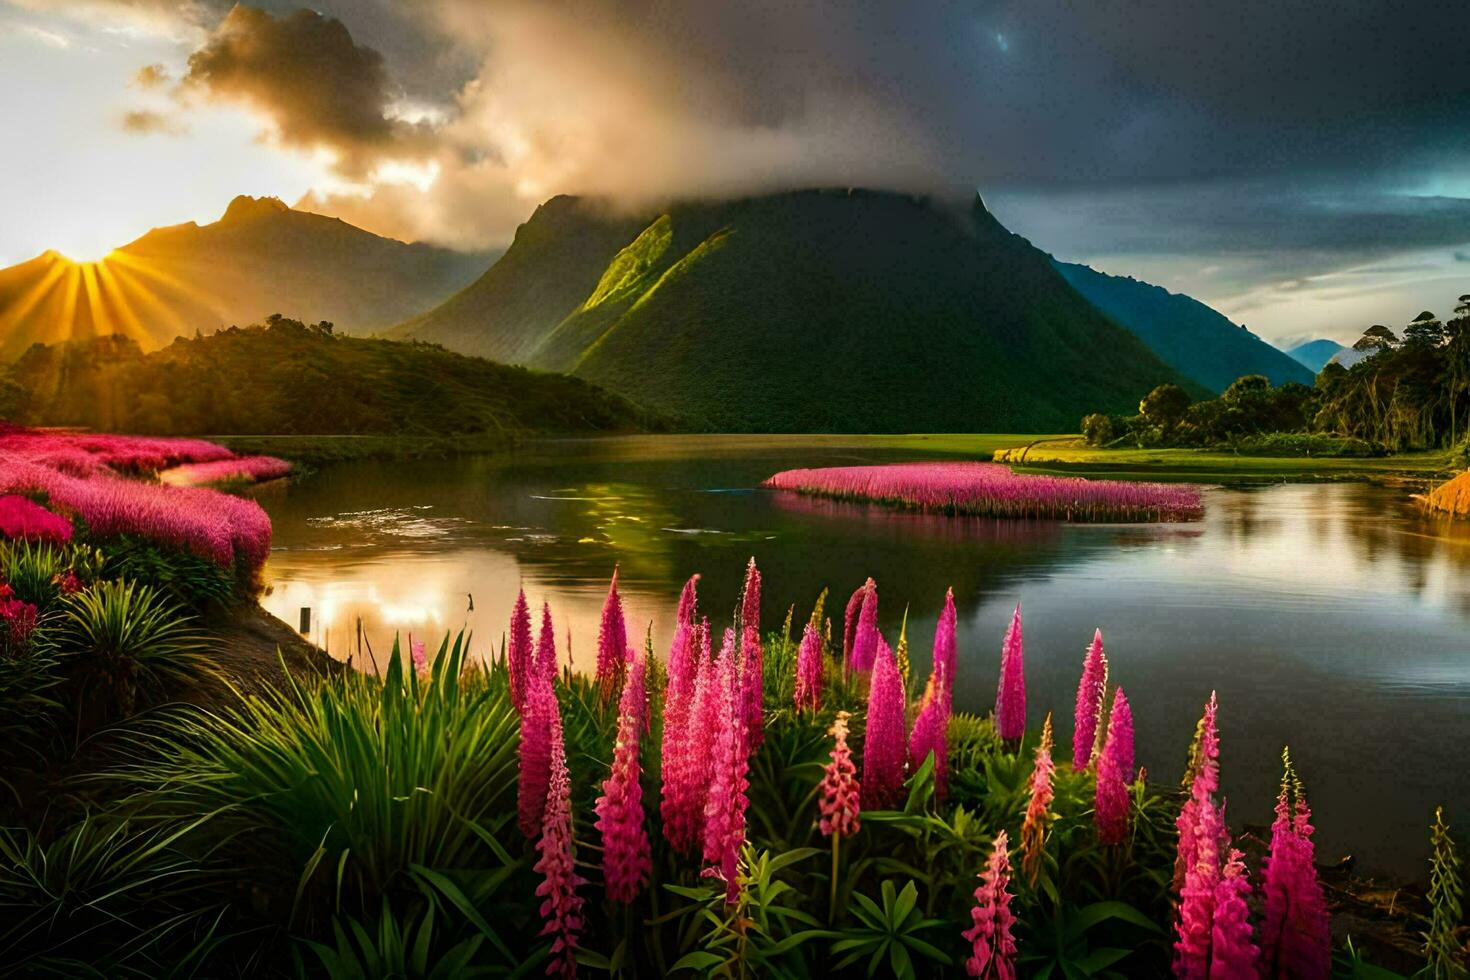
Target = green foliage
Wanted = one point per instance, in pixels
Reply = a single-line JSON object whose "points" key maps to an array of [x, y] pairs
{"points": [[1443, 950], [184, 577], [105, 898], [393, 950], [1097, 429], [890, 936], [1165, 406], [1065, 944], [341, 790], [285, 377], [32, 568], [124, 640]]}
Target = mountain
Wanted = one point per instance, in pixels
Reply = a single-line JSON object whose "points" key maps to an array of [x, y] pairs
{"points": [[260, 258], [284, 377], [1188, 335], [816, 311], [1316, 353]]}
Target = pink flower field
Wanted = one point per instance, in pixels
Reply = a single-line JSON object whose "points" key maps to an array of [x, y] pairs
{"points": [[245, 469], [992, 490]]}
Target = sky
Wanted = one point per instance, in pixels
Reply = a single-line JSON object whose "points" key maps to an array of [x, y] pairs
{"points": [[1301, 165]]}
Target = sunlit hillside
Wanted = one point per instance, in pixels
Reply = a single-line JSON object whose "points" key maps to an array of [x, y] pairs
{"points": [[260, 258]]}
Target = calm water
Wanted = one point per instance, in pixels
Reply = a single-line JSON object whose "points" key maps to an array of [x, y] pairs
{"points": [[1334, 617]]}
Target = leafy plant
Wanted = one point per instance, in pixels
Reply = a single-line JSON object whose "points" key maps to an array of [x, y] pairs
{"points": [[1065, 944], [34, 568], [889, 935], [123, 639], [1443, 950], [388, 949], [187, 578]]}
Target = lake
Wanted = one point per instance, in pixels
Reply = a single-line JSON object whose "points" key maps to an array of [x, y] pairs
{"points": [[1334, 617]]}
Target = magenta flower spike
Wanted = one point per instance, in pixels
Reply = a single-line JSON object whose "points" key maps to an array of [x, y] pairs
{"points": [[946, 645], [520, 654], [865, 639], [1114, 773], [1295, 934], [417, 655], [840, 792], [688, 734], [1010, 697], [931, 731], [1233, 952], [1202, 841], [884, 744], [1038, 808], [534, 756], [724, 810], [751, 662], [850, 621], [612, 643], [626, 857], [688, 600], [1203, 781], [546, 662], [992, 944], [1091, 695], [809, 671], [561, 908]]}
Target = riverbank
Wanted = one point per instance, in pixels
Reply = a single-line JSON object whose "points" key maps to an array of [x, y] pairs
{"points": [[1070, 454], [321, 450]]}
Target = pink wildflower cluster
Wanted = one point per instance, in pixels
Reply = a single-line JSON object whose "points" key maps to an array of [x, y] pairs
{"points": [[24, 519], [808, 692], [752, 678], [1091, 696], [1038, 807], [520, 655], [626, 857], [245, 469], [685, 762], [17, 619], [992, 490], [865, 639], [213, 525], [992, 943], [724, 808], [86, 453], [840, 788], [1295, 935], [612, 643], [561, 908], [884, 743], [1010, 696], [931, 729], [1115, 773]]}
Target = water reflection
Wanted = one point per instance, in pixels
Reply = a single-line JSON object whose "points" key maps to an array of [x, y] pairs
{"points": [[1335, 617]]}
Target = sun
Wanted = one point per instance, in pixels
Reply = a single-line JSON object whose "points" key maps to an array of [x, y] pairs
{"points": [[84, 255]]}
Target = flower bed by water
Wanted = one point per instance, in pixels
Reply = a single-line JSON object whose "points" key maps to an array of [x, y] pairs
{"points": [[245, 469], [992, 490]]}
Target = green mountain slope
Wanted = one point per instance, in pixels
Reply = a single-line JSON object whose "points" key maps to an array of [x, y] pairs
{"points": [[806, 311], [260, 258], [1190, 336], [1315, 354], [285, 378]]}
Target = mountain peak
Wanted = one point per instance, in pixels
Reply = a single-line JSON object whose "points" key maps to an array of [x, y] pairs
{"points": [[246, 207]]}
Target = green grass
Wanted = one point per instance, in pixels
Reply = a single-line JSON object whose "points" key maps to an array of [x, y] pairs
{"points": [[1069, 454]]}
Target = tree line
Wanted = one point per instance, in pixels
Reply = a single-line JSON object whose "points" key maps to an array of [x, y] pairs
{"points": [[1400, 391]]}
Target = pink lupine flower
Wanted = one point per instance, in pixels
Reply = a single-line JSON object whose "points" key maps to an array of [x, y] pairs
{"points": [[884, 744], [946, 646], [865, 640], [1038, 809], [1010, 697], [1202, 839], [809, 671], [993, 947], [724, 810], [1233, 953], [417, 655], [612, 643], [1091, 696], [519, 653], [751, 669], [931, 731], [626, 858], [840, 788], [850, 620], [546, 663], [1295, 936], [688, 600], [561, 908], [1114, 773], [993, 490], [691, 722], [534, 755], [67, 582]]}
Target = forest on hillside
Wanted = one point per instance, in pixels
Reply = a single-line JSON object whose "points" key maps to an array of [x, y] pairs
{"points": [[1401, 391], [287, 377]]}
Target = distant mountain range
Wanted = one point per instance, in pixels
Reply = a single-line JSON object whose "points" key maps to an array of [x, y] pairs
{"points": [[260, 258], [804, 311], [1315, 354], [1198, 341]]}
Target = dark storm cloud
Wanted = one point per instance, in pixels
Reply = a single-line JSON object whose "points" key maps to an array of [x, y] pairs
{"points": [[319, 87]]}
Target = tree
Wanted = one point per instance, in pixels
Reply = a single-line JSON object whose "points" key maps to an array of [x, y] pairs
{"points": [[1097, 429], [1424, 332], [1246, 389], [1377, 338], [1165, 406]]}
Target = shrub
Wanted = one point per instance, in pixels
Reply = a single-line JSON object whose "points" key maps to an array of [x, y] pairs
{"points": [[187, 579], [122, 639], [1304, 444], [39, 573], [1097, 429]]}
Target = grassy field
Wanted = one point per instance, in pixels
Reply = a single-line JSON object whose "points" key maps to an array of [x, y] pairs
{"points": [[1069, 454]]}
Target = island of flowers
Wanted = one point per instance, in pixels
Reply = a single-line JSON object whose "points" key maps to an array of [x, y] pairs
{"points": [[993, 490]]}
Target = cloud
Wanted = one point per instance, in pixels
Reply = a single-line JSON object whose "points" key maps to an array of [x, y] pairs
{"points": [[51, 39], [151, 76], [303, 71], [146, 122], [176, 19]]}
